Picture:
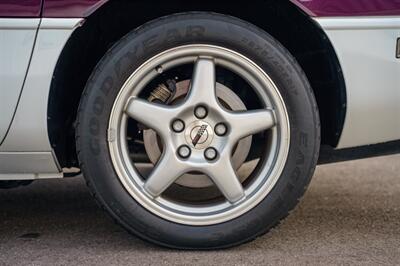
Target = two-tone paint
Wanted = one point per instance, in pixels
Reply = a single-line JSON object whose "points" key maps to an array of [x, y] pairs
{"points": [[363, 33]]}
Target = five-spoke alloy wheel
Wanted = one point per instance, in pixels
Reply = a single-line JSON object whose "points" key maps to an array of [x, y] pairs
{"points": [[204, 140], [199, 135]]}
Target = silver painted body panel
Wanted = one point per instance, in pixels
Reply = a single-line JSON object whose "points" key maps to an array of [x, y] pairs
{"points": [[366, 48], [17, 37], [28, 132], [31, 165], [31, 115]]}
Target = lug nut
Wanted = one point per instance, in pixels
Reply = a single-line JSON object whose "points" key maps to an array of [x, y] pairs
{"points": [[184, 151], [200, 112], [220, 129], [210, 154], [178, 126]]}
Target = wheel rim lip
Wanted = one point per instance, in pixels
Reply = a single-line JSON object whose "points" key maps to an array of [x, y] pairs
{"points": [[204, 215]]}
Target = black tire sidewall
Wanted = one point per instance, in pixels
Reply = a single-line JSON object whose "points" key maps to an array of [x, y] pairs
{"points": [[151, 39]]}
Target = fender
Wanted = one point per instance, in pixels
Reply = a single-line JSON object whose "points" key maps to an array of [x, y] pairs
{"points": [[314, 8], [84, 8], [61, 17], [345, 8], [20, 8], [71, 8]]}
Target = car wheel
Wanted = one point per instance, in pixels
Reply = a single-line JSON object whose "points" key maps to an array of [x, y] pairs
{"points": [[198, 131]]}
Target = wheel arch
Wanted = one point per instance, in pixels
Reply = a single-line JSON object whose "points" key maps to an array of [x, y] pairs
{"points": [[284, 21]]}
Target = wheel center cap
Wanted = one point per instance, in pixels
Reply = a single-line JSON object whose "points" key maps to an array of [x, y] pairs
{"points": [[199, 135]]}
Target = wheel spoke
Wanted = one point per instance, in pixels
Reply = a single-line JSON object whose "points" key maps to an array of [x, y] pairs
{"points": [[247, 123], [167, 170], [153, 115], [225, 178], [202, 89]]}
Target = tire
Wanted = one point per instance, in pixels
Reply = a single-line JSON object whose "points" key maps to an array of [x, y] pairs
{"points": [[110, 75]]}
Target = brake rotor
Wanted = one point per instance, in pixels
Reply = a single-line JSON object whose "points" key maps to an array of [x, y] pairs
{"points": [[230, 101]]}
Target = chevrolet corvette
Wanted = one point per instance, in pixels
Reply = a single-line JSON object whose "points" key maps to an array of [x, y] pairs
{"points": [[196, 125]]}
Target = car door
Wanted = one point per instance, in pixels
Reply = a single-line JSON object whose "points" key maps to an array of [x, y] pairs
{"points": [[19, 21]]}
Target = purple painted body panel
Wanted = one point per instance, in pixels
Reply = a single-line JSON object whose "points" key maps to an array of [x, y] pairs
{"points": [[335, 8], [70, 8], [20, 8], [316, 8], [83, 8]]}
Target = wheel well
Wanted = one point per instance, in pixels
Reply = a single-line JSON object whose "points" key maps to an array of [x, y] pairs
{"points": [[282, 19]]}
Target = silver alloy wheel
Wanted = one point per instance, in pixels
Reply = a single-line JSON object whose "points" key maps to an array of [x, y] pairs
{"points": [[238, 199], [230, 100]]}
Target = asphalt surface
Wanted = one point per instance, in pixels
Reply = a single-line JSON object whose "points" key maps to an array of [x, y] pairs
{"points": [[350, 215]]}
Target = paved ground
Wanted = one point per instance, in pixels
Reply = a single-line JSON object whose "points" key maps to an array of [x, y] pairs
{"points": [[350, 215]]}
